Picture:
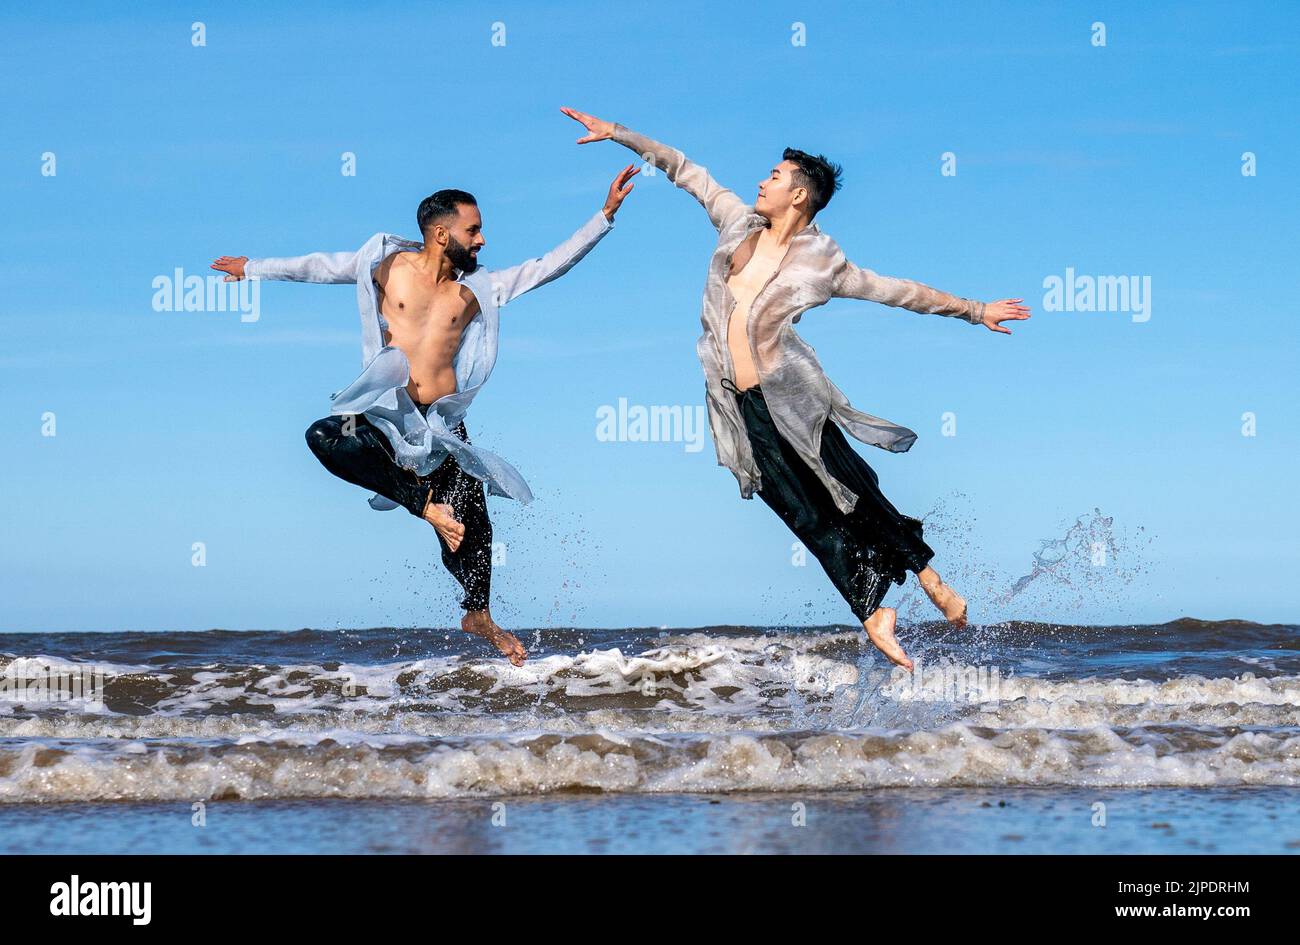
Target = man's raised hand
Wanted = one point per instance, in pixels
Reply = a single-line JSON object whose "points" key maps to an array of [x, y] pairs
{"points": [[1004, 310], [597, 130], [233, 266], [618, 190]]}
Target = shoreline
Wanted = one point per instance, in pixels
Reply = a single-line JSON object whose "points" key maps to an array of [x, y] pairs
{"points": [[886, 820]]}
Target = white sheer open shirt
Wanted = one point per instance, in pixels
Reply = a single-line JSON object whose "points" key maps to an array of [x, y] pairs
{"points": [[422, 441]]}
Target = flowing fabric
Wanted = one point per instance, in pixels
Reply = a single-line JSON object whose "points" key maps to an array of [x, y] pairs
{"points": [[798, 393], [422, 441]]}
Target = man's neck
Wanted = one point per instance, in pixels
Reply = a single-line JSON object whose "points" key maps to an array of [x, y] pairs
{"points": [[782, 229], [433, 262]]}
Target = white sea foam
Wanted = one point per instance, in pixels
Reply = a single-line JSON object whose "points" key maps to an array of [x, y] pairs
{"points": [[955, 755], [695, 712]]}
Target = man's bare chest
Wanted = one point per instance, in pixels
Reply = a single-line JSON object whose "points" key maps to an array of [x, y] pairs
{"points": [[413, 309], [748, 280], [752, 264]]}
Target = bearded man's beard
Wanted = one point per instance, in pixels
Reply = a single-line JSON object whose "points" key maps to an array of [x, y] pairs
{"points": [[460, 256]]}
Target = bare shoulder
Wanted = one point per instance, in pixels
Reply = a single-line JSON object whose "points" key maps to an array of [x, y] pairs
{"points": [[390, 266]]}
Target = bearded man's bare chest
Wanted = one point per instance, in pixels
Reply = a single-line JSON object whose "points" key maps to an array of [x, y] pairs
{"points": [[423, 320]]}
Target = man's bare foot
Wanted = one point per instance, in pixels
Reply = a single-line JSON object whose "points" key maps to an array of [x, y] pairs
{"points": [[951, 604], [880, 630], [481, 624], [443, 519]]}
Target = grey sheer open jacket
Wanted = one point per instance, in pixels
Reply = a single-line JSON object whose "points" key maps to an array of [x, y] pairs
{"points": [[797, 391], [420, 440]]}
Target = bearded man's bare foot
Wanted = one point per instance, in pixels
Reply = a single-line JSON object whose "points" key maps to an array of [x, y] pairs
{"points": [[880, 631], [444, 522], [481, 624]]}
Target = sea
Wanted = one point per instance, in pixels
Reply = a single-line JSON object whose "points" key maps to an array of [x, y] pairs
{"points": [[1012, 737]]}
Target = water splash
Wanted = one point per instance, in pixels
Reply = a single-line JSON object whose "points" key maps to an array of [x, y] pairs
{"points": [[1093, 562]]}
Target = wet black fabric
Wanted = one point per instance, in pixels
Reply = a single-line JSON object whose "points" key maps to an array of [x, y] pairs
{"points": [[862, 552], [364, 457]]}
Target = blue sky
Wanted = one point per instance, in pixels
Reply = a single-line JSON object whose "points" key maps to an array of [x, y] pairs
{"points": [[183, 427]]}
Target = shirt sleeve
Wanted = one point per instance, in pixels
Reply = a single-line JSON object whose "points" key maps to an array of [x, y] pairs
{"points": [[508, 284], [853, 282], [721, 204], [314, 267]]}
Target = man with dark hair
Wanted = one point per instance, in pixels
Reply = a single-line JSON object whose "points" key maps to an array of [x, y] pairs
{"points": [[429, 324], [441, 205], [819, 176], [772, 410]]}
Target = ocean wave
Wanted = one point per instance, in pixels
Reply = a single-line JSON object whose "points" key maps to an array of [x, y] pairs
{"points": [[955, 755], [643, 711]]}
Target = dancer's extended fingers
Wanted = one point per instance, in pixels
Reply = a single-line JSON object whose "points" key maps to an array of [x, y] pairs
{"points": [[586, 120], [621, 182]]}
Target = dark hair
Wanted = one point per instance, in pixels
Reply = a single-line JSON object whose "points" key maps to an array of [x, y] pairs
{"points": [[820, 176], [442, 204]]}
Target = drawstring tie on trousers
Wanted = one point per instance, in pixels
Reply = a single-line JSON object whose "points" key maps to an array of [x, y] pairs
{"points": [[729, 384]]}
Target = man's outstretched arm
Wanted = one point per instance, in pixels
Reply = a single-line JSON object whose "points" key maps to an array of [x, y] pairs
{"points": [[721, 204], [853, 282], [508, 284], [314, 267]]}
